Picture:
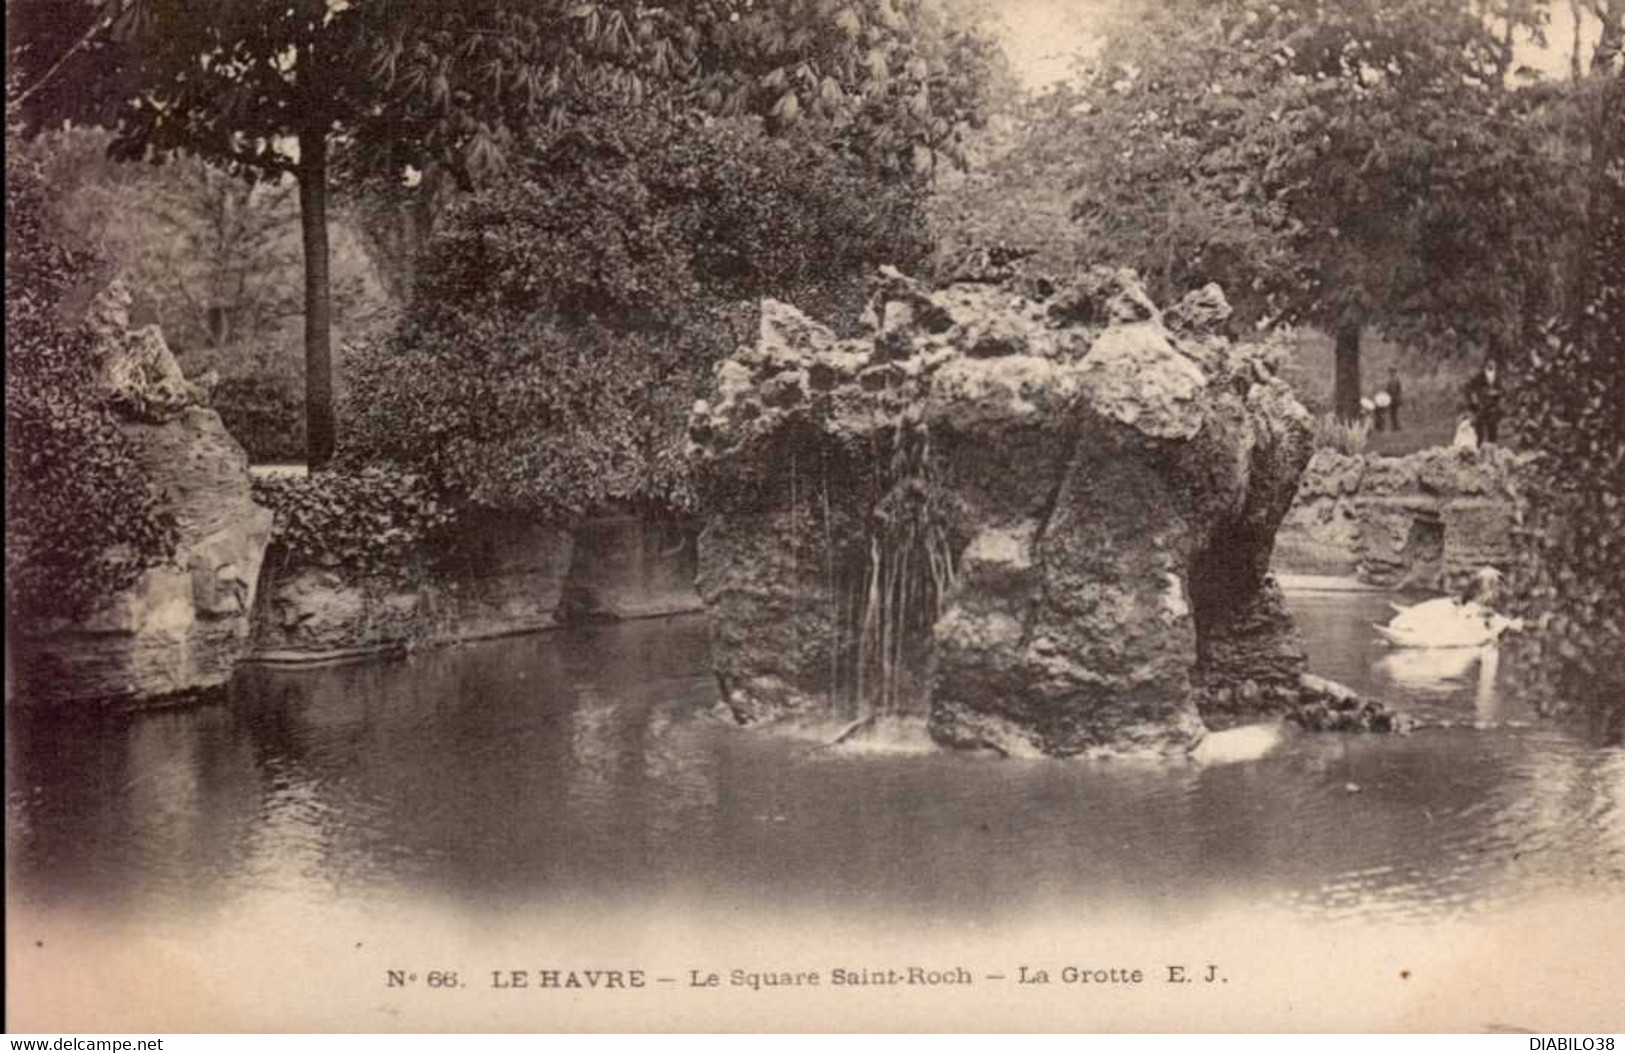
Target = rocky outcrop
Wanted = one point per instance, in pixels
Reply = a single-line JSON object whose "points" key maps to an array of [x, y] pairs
{"points": [[1429, 521], [135, 365], [1042, 516], [505, 576], [182, 627]]}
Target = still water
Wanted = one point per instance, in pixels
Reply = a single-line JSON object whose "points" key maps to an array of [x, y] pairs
{"points": [[583, 776]]}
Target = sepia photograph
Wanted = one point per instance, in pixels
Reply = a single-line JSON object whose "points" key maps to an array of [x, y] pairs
{"points": [[826, 516]]}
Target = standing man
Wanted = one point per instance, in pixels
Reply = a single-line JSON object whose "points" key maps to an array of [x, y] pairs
{"points": [[1395, 392], [1484, 402]]}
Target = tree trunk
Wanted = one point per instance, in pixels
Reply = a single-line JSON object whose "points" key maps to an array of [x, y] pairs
{"points": [[1575, 66], [1611, 39], [1346, 381], [318, 298]]}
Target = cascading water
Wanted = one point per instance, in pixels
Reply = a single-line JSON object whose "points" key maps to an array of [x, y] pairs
{"points": [[908, 577], [886, 565]]}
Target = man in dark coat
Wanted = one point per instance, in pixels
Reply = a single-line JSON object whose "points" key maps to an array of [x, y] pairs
{"points": [[1396, 392], [1484, 402]]}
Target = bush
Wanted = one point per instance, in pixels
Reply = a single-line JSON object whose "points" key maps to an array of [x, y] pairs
{"points": [[265, 413], [371, 521], [787, 218], [82, 522], [534, 415], [566, 317]]}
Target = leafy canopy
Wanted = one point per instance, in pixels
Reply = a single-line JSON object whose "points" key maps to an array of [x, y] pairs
{"points": [[453, 89], [1362, 161]]}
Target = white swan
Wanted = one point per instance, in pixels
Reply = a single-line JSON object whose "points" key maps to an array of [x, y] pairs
{"points": [[1450, 621]]}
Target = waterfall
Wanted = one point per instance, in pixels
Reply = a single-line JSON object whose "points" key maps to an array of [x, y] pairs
{"points": [[907, 577]]}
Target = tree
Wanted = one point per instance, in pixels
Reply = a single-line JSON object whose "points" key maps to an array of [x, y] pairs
{"points": [[262, 91], [1346, 165], [258, 90], [893, 80], [216, 258], [271, 90], [893, 83]]}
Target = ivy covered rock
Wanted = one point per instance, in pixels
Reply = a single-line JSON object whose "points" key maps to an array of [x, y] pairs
{"points": [[1042, 520], [180, 623]]}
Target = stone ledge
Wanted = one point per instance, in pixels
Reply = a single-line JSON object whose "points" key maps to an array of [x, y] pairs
{"points": [[1426, 521], [510, 578]]}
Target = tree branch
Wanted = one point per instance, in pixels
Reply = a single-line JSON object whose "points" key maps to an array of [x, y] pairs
{"points": [[97, 24], [263, 162]]}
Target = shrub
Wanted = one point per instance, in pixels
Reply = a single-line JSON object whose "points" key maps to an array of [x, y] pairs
{"points": [[1341, 436], [82, 521], [785, 217], [566, 317], [371, 521], [265, 413], [535, 415]]}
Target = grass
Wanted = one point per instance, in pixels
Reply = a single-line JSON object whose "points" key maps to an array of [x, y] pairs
{"points": [[1350, 437], [1432, 399]]}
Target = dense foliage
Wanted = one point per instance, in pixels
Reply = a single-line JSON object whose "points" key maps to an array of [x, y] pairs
{"points": [[1350, 165], [255, 89], [214, 259], [215, 262], [263, 411], [569, 313], [452, 90], [81, 520], [370, 521], [1572, 403]]}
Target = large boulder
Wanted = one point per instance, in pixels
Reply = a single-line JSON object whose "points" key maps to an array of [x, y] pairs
{"points": [[182, 627], [1040, 516]]}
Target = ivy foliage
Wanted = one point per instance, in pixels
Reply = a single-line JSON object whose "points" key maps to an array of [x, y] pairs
{"points": [[82, 522], [566, 316], [1571, 401], [371, 521]]}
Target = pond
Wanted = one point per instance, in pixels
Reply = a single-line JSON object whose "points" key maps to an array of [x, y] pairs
{"points": [[573, 796]]}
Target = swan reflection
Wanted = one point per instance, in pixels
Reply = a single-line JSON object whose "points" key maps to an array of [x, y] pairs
{"points": [[1432, 670]]}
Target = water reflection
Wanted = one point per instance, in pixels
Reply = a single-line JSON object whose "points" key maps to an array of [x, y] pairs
{"points": [[1434, 684], [1432, 670], [582, 772]]}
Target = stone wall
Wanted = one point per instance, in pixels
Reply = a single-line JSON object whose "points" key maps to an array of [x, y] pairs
{"points": [[507, 576], [630, 567], [1427, 521]]}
